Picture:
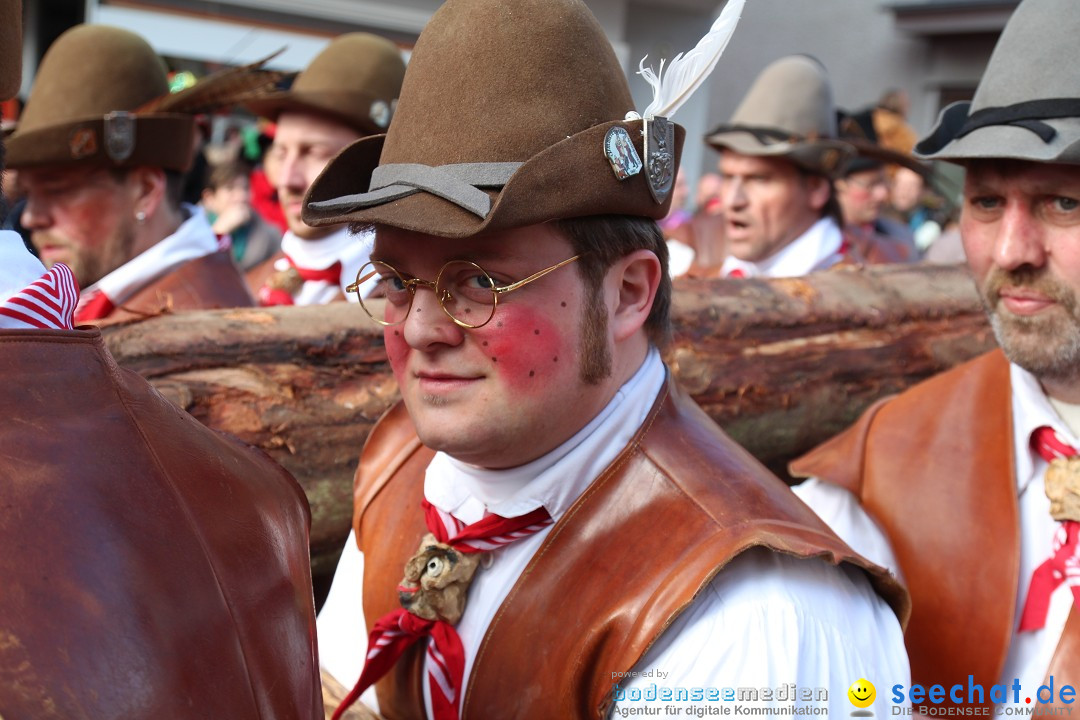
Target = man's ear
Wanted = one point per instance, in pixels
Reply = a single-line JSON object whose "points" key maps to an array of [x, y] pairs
{"points": [[149, 187], [635, 278], [819, 190]]}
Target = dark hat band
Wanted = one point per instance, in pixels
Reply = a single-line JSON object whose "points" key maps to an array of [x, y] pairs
{"points": [[762, 134], [1028, 115]]}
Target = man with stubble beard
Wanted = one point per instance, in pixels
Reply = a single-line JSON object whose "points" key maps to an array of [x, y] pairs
{"points": [[968, 483], [611, 533], [103, 174]]}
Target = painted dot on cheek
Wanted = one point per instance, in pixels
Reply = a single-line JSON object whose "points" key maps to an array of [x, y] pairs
{"points": [[485, 343], [564, 303], [556, 359], [536, 332], [531, 373], [494, 359]]}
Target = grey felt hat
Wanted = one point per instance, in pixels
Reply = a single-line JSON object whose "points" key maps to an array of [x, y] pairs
{"points": [[788, 112], [1027, 105]]}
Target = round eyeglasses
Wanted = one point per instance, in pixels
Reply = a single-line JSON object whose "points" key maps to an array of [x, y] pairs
{"points": [[466, 292]]}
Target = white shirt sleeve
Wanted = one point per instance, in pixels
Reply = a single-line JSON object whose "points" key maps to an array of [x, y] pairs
{"points": [[342, 631], [796, 627], [841, 511]]}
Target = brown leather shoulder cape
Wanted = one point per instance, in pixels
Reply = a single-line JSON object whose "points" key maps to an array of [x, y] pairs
{"points": [[206, 283], [151, 567]]}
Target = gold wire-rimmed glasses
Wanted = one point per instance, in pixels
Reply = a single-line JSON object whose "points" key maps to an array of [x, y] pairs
{"points": [[465, 291]]}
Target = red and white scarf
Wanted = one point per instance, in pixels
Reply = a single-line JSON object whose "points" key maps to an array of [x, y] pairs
{"points": [[327, 265], [395, 632], [1063, 565]]}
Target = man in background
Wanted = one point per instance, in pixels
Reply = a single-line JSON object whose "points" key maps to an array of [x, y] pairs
{"points": [[967, 483], [103, 176], [151, 567], [349, 91], [778, 154]]}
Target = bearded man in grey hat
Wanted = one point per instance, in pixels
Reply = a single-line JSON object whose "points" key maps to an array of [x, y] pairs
{"points": [[777, 156], [621, 549], [347, 92], [968, 483]]}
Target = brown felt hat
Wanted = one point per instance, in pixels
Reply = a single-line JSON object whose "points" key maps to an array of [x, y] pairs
{"points": [[84, 102], [788, 112], [512, 113], [10, 48], [858, 130], [1027, 105], [356, 80]]}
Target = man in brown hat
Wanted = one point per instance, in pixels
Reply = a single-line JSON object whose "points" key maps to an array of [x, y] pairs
{"points": [[349, 91], [972, 476], [151, 567], [778, 154], [541, 451], [103, 176]]}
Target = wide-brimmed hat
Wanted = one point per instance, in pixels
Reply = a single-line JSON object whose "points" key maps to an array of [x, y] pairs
{"points": [[356, 80], [10, 48], [83, 106], [788, 112], [1027, 105], [858, 130], [512, 113]]}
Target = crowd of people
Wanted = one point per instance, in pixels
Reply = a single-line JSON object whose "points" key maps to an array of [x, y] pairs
{"points": [[545, 525]]}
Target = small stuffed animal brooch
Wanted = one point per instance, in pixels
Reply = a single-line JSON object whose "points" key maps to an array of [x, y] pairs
{"points": [[1063, 488], [437, 580]]}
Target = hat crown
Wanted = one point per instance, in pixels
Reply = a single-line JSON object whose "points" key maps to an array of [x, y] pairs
{"points": [[92, 70], [1035, 57], [792, 94], [474, 93], [355, 63]]}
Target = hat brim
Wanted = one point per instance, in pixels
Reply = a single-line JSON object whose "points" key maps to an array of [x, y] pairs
{"points": [[342, 107], [877, 154], [827, 157], [160, 140], [572, 178], [1007, 142]]}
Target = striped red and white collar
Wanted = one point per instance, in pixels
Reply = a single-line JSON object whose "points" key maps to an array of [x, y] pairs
{"points": [[47, 303]]}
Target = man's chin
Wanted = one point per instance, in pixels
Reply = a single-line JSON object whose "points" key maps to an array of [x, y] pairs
{"points": [[1044, 347]]}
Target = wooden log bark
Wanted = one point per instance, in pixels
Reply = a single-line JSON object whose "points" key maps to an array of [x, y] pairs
{"points": [[780, 364]]}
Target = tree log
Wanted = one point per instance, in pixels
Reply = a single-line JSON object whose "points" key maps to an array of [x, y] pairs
{"points": [[780, 364]]}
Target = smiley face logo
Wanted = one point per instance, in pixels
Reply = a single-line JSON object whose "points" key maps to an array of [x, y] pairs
{"points": [[862, 693]]}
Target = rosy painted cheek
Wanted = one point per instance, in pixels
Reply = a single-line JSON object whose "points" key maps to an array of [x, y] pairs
{"points": [[397, 350], [525, 347]]}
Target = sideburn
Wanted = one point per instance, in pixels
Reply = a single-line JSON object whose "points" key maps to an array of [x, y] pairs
{"points": [[595, 354]]}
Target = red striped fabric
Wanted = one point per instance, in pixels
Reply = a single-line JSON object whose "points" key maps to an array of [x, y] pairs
{"points": [[48, 303], [1063, 566], [393, 633]]}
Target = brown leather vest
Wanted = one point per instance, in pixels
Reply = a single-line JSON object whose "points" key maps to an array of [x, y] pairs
{"points": [[629, 556], [152, 567], [205, 283], [934, 467]]}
